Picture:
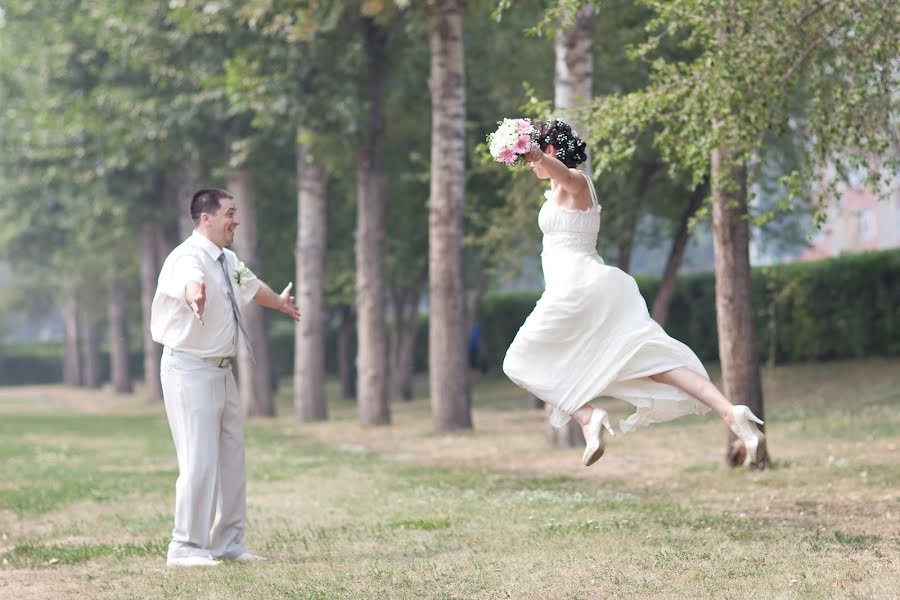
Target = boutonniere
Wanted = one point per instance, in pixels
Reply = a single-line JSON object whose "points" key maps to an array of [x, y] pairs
{"points": [[239, 275]]}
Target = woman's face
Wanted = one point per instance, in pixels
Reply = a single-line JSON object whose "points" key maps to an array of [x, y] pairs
{"points": [[538, 167]]}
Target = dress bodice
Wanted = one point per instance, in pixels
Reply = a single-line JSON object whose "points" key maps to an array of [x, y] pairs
{"points": [[567, 229]]}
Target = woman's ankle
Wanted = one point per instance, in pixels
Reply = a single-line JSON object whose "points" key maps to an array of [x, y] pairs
{"points": [[582, 416]]}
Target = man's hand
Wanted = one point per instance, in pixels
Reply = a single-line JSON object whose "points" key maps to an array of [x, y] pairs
{"points": [[283, 302], [287, 303], [195, 296]]}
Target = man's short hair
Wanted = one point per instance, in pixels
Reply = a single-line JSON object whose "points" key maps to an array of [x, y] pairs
{"points": [[207, 201]]}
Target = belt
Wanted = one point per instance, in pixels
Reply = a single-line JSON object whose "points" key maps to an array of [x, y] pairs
{"points": [[222, 362]]}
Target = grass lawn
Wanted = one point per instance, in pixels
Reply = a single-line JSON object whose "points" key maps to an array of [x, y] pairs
{"points": [[87, 494]]}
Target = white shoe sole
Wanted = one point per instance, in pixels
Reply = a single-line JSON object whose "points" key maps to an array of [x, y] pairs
{"points": [[191, 562]]}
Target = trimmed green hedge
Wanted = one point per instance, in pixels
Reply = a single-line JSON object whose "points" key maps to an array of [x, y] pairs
{"points": [[29, 363], [845, 307]]}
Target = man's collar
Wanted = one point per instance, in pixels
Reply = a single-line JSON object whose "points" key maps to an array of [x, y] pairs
{"points": [[201, 241]]}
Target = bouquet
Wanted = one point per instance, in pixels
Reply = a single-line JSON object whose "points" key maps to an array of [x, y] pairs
{"points": [[513, 138]]}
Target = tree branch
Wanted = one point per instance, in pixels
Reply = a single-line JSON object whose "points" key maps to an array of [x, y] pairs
{"points": [[802, 58], [810, 13]]}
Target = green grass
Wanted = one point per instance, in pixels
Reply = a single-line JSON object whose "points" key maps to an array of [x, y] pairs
{"points": [[345, 512], [36, 555], [58, 460]]}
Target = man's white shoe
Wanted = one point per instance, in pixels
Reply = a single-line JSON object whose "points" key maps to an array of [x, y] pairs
{"points": [[191, 561], [247, 557]]}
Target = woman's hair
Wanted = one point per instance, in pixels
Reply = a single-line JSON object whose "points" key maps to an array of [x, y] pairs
{"points": [[570, 150]]}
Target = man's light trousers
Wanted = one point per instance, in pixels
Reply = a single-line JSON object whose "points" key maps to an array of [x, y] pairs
{"points": [[204, 412]]}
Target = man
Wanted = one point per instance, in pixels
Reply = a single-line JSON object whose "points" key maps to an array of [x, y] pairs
{"points": [[196, 317]]}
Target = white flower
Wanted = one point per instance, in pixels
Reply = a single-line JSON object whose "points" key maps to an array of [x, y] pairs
{"points": [[512, 139], [239, 275]]}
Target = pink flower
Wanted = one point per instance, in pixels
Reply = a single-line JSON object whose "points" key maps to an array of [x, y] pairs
{"points": [[523, 126], [523, 144], [508, 156]]}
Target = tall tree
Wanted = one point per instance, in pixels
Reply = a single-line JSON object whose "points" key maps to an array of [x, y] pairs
{"points": [[755, 68], [309, 356], [91, 364], [188, 178], [573, 76], [72, 357], [573, 88], [346, 333], [371, 201], [151, 235], [255, 380], [54, 165], [734, 295], [117, 328], [407, 165], [663, 299], [280, 76], [448, 373]]}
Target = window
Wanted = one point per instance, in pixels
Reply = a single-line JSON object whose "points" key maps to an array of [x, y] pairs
{"points": [[868, 228]]}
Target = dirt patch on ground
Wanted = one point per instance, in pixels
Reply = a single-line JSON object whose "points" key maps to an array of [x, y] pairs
{"points": [[683, 459], [48, 398]]}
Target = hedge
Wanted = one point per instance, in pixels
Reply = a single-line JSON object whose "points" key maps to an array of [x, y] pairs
{"points": [[844, 307], [29, 363]]}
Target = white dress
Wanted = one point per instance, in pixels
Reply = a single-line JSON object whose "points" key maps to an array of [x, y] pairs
{"points": [[590, 333]]}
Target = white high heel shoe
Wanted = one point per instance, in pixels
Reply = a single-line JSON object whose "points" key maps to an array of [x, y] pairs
{"points": [[754, 440], [593, 435]]}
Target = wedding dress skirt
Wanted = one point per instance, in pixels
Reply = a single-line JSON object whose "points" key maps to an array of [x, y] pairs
{"points": [[590, 333]]}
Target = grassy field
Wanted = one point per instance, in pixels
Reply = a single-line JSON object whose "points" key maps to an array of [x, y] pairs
{"points": [[87, 493]]}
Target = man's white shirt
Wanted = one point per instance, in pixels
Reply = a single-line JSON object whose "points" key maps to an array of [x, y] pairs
{"points": [[172, 322]]}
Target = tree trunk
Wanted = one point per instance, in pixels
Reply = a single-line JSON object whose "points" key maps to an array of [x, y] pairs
{"points": [[633, 213], [628, 234], [254, 381], [72, 343], [150, 234], [371, 213], [119, 366], [345, 336], [574, 70], [187, 182], [572, 87], [734, 302], [309, 337], [403, 340], [663, 298], [448, 373], [91, 364], [476, 297]]}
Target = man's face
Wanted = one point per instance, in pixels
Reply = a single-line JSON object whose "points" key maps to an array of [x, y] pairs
{"points": [[221, 226]]}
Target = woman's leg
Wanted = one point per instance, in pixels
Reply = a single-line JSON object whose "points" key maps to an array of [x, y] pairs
{"points": [[583, 415], [593, 422], [700, 388]]}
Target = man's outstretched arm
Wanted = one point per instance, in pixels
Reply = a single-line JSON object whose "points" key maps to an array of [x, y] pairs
{"points": [[284, 302]]}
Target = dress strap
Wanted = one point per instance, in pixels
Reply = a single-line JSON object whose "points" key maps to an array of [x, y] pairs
{"points": [[593, 191]]}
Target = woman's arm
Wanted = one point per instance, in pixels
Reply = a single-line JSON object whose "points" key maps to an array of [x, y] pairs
{"points": [[570, 180]]}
